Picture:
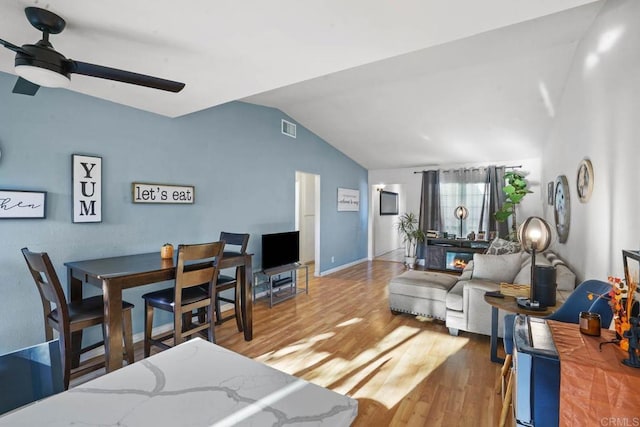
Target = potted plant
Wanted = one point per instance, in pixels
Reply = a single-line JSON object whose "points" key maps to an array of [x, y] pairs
{"points": [[515, 190], [411, 234]]}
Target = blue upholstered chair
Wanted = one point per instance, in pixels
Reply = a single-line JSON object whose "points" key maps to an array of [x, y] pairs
{"points": [[568, 312]]}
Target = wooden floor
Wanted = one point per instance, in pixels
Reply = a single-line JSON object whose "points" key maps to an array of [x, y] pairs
{"points": [[404, 371]]}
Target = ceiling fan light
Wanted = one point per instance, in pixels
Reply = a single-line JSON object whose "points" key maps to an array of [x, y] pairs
{"points": [[42, 76]]}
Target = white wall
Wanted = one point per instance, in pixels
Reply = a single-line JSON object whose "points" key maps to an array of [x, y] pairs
{"points": [[409, 185], [599, 118], [385, 236]]}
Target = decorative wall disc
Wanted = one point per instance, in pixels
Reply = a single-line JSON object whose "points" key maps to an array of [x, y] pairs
{"points": [[584, 180], [562, 208]]}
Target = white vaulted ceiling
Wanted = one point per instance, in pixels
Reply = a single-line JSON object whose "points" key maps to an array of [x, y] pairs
{"points": [[389, 83]]}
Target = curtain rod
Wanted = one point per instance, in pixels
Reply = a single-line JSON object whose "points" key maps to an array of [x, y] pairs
{"points": [[479, 167]]}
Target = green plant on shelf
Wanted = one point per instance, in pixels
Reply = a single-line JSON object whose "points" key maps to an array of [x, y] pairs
{"points": [[514, 191]]}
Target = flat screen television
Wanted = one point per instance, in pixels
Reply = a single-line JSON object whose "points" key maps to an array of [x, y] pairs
{"points": [[280, 249], [388, 203]]}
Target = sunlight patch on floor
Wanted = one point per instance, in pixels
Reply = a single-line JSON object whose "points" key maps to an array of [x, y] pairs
{"points": [[341, 372], [366, 374], [299, 355], [390, 385], [294, 348], [349, 322]]}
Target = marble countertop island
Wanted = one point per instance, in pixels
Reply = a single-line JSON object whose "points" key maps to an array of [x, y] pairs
{"points": [[194, 384]]}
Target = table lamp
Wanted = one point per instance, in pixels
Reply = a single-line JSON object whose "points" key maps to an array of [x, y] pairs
{"points": [[461, 213], [534, 236]]}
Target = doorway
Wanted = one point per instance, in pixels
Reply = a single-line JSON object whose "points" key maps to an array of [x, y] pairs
{"points": [[307, 218], [385, 241]]}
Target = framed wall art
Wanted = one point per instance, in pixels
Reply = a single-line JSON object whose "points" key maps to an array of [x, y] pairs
{"points": [[17, 204], [86, 181], [388, 203], [562, 208], [584, 180], [550, 191], [162, 193], [348, 200]]}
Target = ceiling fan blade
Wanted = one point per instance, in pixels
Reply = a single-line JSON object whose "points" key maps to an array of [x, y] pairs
{"points": [[123, 76], [25, 87], [13, 47]]}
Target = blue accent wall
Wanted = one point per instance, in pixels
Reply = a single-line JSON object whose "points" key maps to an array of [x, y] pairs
{"points": [[242, 167]]}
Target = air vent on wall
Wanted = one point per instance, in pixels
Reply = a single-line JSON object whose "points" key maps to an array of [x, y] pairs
{"points": [[288, 128]]}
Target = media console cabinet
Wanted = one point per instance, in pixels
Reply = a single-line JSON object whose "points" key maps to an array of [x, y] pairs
{"points": [[451, 254]]}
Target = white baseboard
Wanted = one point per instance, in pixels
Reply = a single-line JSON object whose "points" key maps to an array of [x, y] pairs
{"points": [[342, 267]]}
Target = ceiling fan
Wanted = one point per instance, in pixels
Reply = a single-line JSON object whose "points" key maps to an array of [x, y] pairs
{"points": [[40, 65]]}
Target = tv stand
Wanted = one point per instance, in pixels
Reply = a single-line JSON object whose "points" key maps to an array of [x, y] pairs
{"points": [[283, 282]]}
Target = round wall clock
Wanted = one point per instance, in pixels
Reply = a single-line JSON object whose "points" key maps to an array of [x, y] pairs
{"points": [[562, 208], [584, 180]]}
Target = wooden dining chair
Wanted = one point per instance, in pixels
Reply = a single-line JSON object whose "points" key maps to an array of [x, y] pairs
{"points": [[69, 317], [235, 244], [197, 264]]}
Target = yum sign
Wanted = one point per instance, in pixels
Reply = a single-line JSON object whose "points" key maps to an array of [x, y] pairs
{"points": [[87, 188]]}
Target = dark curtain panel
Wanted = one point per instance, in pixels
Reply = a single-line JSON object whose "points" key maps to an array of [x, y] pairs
{"points": [[429, 204], [493, 199]]}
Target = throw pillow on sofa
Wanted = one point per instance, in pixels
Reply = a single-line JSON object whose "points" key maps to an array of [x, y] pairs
{"points": [[496, 268], [500, 246]]}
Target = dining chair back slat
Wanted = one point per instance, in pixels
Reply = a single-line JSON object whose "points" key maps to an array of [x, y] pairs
{"points": [[235, 244], [49, 288], [196, 277]]}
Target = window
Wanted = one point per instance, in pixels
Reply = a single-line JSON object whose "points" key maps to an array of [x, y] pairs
{"points": [[479, 190], [467, 195], [464, 187]]}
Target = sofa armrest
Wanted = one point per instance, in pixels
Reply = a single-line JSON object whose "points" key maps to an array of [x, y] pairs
{"points": [[477, 310], [467, 272]]}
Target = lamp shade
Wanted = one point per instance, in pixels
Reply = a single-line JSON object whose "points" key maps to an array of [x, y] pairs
{"points": [[461, 212], [534, 234]]}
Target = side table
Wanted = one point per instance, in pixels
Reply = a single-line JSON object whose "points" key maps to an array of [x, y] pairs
{"points": [[509, 303]]}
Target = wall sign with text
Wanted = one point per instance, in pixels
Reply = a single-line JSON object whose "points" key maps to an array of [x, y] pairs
{"points": [[22, 204], [162, 193], [87, 188], [348, 199]]}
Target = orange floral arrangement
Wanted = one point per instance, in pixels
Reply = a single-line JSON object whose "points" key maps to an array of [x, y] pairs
{"points": [[621, 299]]}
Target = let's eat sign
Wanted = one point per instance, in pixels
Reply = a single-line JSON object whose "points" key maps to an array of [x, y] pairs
{"points": [[162, 193]]}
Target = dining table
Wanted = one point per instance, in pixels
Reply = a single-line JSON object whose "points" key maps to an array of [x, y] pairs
{"points": [[196, 383], [114, 274]]}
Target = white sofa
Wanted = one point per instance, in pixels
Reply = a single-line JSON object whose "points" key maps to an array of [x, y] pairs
{"points": [[466, 309]]}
